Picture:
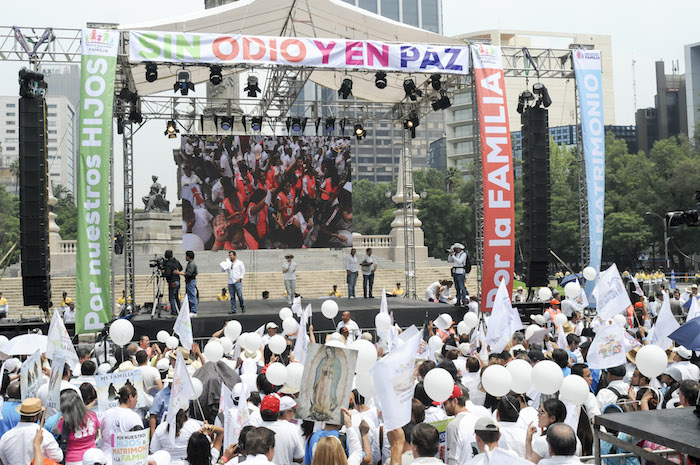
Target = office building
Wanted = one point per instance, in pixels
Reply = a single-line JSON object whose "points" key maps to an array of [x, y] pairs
{"points": [[692, 83], [460, 130], [670, 113]]}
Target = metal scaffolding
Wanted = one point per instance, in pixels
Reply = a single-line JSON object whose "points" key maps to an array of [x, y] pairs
{"points": [[582, 190]]}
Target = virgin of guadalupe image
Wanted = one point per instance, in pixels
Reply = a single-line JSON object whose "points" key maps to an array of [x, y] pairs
{"points": [[326, 379]]}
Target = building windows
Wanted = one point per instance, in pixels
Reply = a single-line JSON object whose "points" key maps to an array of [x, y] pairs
{"points": [[10, 131], [429, 11], [51, 115], [410, 12], [10, 123], [369, 5], [10, 105], [52, 123], [463, 115], [10, 114], [464, 147], [390, 9], [53, 131], [52, 105], [464, 131], [462, 98], [384, 178], [10, 149]]}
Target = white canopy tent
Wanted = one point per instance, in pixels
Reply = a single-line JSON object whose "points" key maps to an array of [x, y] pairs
{"points": [[297, 18]]}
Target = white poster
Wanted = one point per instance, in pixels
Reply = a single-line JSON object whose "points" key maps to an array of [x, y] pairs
{"points": [[54, 399], [31, 376], [181, 392], [610, 294], [609, 347], [60, 341], [504, 321], [665, 324], [130, 448], [108, 387]]}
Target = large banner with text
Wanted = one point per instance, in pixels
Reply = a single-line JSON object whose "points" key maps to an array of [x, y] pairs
{"points": [[92, 273], [496, 172], [589, 83], [181, 47]]}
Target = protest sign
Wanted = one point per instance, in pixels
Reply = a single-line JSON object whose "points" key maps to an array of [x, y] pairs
{"points": [[130, 448], [31, 376], [108, 387], [54, 399], [59, 341], [441, 427], [610, 294]]}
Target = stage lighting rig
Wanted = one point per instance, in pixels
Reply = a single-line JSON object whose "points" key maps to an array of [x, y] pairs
{"points": [[171, 130], [360, 131], [412, 92], [345, 89], [435, 81], [215, 76], [226, 123], [299, 124], [443, 102], [380, 80], [31, 84], [135, 116], [256, 123], [128, 96], [524, 100], [412, 123], [541, 91], [151, 72], [183, 83], [330, 125], [252, 88]]}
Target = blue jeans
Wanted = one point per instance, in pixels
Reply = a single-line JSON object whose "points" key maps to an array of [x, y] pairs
{"points": [[367, 282], [191, 289], [173, 297], [236, 289], [460, 288], [352, 280]]}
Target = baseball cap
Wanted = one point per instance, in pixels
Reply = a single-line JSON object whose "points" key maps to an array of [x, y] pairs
{"points": [[683, 352], [287, 403], [270, 403], [617, 371], [163, 364], [554, 302], [456, 392], [271, 325], [486, 424], [674, 373], [638, 305], [94, 457]]}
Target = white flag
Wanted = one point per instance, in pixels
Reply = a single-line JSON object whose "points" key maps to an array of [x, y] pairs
{"points": [[225, 403], [261, 331], [637, 288], [610, 294], [383, 306], [60, 343], [302, 342], [296, 306], [694, 310], [580, 301], [181, 392], [561, 339], [665, 324], [183, 325], [237, 417], [504, 321], [609, 347]]}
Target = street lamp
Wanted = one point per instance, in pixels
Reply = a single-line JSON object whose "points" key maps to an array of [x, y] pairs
{"points": [[668, 265]]}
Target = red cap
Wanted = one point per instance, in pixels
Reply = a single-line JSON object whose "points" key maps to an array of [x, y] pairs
{"points": [[271, 403], [456, 392], [554, 302], [638, 305]]}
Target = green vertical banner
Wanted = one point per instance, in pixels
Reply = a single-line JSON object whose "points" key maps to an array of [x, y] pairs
{"points": [[92, 273]]}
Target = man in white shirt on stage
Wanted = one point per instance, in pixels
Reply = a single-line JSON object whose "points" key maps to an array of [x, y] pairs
{"points": [[351, 269], [353, 328], [236, 272]]}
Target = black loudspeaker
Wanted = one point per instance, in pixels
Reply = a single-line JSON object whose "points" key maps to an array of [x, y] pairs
{"points": [[33, 203], [537, 224]]}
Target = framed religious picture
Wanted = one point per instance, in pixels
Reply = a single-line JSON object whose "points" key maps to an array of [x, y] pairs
{"points": [[327, 383]]}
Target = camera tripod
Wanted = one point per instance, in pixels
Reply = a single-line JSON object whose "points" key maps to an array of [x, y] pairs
{"points": [[156, 280]]}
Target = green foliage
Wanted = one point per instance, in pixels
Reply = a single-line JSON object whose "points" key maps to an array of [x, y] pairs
{"points": [[66, 212], [9, 224]]}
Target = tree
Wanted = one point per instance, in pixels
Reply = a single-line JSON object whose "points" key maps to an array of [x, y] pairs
{"points": [[9, 223], [14, 171]]}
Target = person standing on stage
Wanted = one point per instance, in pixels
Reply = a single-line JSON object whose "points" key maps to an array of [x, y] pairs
{"points": [[173, 279], [369, 266], [290, 277], [190, 275], [351, 269], [458, 258], [236, 272]]}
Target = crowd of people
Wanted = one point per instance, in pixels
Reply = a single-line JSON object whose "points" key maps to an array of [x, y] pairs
{"points": [[255, 192]]}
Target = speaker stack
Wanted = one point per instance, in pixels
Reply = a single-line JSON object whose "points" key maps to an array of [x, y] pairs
{"points": [[537, 224]]}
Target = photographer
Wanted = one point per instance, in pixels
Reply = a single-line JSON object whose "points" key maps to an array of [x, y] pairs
{"points": [[458, 257], [172, 265]]}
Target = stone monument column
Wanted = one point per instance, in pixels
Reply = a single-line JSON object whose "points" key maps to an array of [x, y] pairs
{"points": [[397, 252]]}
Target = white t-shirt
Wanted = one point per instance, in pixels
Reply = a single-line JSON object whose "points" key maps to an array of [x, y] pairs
{"points": [[43, 394], [432, 290], [202, 224], [69, 316], [290, 269], [512, 438], [225, 166], [177, 450], [117, 420], [150, 375], [369, 269], [288, 442]]}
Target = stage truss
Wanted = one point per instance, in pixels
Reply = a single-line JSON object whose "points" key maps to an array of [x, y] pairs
{"points": [[279, 100]]}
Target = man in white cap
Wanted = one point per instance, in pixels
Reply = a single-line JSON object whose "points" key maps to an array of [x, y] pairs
{"points": [[487, 434], [681, 359], [289, 446], [518, 297], [17, 445], [458, 258], [270, 330]]}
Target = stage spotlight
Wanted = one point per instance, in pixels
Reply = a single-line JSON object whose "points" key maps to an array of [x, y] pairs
{"points": [[151, 72], [380, 80], [252, 87], [135, 116], [523, 99], [330, 125], [540, 90], [412, 92], [215, 75], [345, 89], [359, 131], [128, 96], [443, 102], [298, 124], [183, 83], [226, 123], [171, 130], [435, 81], [412, 123], [256, 123]]}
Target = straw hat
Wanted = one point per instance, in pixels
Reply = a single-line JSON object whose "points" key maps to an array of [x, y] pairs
{"points": [[255, 356], [185, 354], [29, 407], [568, 328]]}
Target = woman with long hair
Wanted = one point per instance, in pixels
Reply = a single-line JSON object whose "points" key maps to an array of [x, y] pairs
{"points": [[120, 419], [330, 451], [78, 424], [536, 447], [184, 428], [204, 445]]}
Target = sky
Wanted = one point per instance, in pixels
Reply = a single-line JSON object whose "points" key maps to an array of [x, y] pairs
{"points": [[641, 30]]}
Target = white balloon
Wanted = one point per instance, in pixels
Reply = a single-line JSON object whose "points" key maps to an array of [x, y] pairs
{"points": [[227, 344], [574, 389], [560, 319], [620, 320], [172, 342], [241, 340], [233, 330], [382, 321], [290, 325], [471, 319], [329, 308], [572, 289], [252, 342], [285, 313], [438, 384], [589, 273], [276, 373], [121, 332], [496, 380], [336, 343], [443, 322], [651, 361], [435, 343], [277, 344], [295, 372], [198, 388], [366, 354], [545, 293], [463, 328], [3, 340], [213, 351], [162, 336], [521, 374], [365, 384], [547, 377]]}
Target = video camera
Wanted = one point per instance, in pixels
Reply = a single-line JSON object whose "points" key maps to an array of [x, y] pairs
{"points": [[158, 262]]}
